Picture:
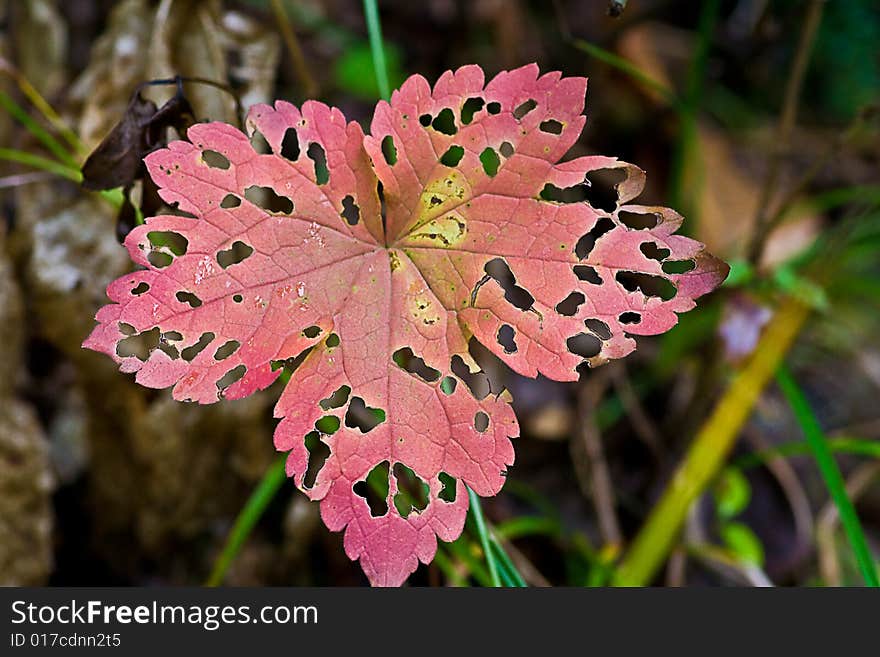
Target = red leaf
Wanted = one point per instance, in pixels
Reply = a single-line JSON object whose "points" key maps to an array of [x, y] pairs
{"points": [[293, 251]]}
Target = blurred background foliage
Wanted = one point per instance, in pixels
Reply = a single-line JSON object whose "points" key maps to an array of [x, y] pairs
{"points": [[741, 448]]}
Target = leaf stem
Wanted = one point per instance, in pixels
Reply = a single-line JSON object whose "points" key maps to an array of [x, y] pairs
{"points": [[374, 27], [787, 119], [830, 473]]}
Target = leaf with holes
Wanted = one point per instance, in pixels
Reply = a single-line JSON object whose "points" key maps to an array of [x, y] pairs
{"points": [[367, 263]]}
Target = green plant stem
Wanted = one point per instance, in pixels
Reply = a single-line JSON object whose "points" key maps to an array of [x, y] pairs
{"points": [[477, 510], [830, 473], [41, 163], [507, 571], [839, 445], [625, 66], [685, 147], [374, 27], [39, 132], [710, 448], [247, 519]]}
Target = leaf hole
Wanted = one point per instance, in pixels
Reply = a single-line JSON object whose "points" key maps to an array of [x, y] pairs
{"points": [[191, 352], [490, 161], [568, 307], [678, 266], [654, 251], [383, 207], [230, 201], [447, 493], [290, 145], [142, 288], [648, 284], [318, 455], [602, 188], [639, 220], [629, 318], [317, 154], [477, 382], [585, 345], [235, 254], [471, 106], [505, 338], [374, 489], [498, 269], [412, 492], [481, 421], [494, 108], [232, 376], [126, 329], [139, 345], [311, 332], [237, 298], [448, 384], [350, 210], [226, 349], [332, 341], [599, 328], [425, 120], [551, 126], [445, 122], [168, 240], [506, 149], [215, 160], [337, 399], [159, 260], [389, 150], [268, 200], [452, 156], [188, 297], [524, 109], [587, 274], [361, 417], [406, 360], [587, 242], [328, 424], [259, 143]]}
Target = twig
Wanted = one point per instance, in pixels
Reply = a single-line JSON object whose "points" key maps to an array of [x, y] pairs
{"points": [[794, 493], [787, 119], [297, 59], [710, 448], [602, 490], [766, 227], [856, 486], [644, 427]]}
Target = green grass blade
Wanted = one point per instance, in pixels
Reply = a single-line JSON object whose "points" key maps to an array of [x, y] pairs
{"points": [[41, 163], [509, 574], [247, 519], [39, 132], [626, 66], [839, 445], [477, 510], [830, 473], [374, 28]]}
